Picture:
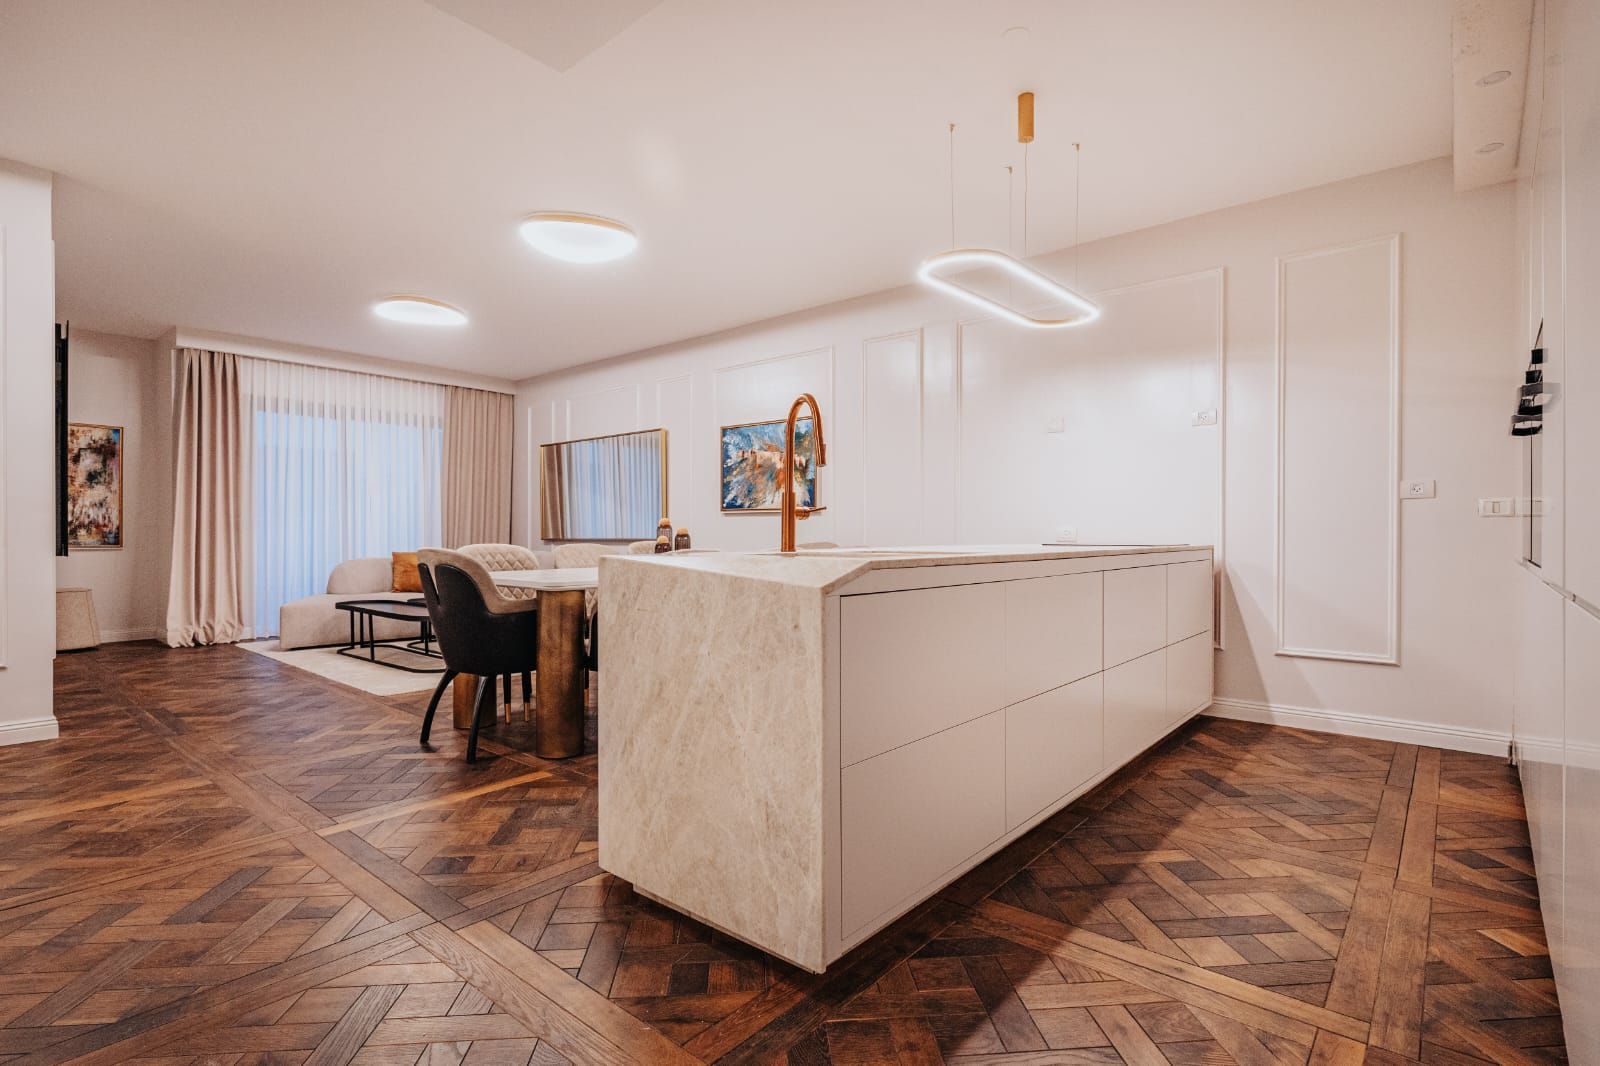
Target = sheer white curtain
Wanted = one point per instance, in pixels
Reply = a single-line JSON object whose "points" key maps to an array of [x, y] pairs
{"points": [[342, 466]]}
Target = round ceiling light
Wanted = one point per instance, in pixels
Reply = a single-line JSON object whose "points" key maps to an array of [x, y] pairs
{"points": [[1494, 77], [419, 311], [578, 238], [1492, 146]]}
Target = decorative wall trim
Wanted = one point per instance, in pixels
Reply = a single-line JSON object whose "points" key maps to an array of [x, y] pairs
{"points": [[826, 476], [1345, 723], [28, 730], [5, 601], [1390, 656], [922, 428]]}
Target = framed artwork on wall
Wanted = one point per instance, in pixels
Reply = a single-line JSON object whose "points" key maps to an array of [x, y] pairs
{"points": [[752, 454], [94, 486]]}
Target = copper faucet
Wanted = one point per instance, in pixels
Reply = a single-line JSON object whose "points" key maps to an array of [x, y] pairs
{"points": [[792, 510]]}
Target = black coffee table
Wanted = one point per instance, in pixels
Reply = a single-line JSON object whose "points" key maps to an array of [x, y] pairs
{"points": [[364, 643]]}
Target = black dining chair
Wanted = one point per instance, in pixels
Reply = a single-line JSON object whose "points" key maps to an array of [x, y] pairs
{"points": [[478, 630]]}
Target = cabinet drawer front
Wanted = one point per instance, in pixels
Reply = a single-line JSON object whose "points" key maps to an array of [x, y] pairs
{"points": [[914, 663], [1053, 745], [1136, 706], [1053, 632], [913, 813], [1189, 667], [1136, 612], [1189, 600]]}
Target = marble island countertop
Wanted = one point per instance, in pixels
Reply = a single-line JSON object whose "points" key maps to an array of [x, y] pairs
{"points": [[826, 569]]}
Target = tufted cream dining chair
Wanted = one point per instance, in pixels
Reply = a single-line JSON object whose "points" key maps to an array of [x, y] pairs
{"points": [[505, 557], [642, 547]]}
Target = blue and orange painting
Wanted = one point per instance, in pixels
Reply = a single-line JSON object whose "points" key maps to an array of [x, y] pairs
{"points": [[751, 457]]}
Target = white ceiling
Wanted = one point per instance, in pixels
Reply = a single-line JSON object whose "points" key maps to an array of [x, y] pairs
{"points": [[272, 168]]}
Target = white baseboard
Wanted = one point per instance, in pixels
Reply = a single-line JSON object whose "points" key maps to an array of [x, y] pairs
{"points": [[1344, 723], [28, 730]]}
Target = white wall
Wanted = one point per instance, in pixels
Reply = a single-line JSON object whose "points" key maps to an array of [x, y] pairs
{"points": [[937, 432], [123, 381], [1557, 670], [27, 472]]}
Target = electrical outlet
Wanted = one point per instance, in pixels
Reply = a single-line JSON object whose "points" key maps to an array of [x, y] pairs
{"points": [[1206, 418], [1067, 535], [1417, 490], [1056, 425]]}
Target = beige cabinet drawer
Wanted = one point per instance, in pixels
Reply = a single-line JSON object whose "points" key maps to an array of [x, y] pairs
{"points": [[911, 814], [1189, 600], [1136, 612], [914, 663], [1053, 632], [1189, 669], [1053, 745], [1136, 706]]}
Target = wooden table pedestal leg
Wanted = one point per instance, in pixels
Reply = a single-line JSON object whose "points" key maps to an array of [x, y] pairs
{"points": [[559, 682], [461, 695]]}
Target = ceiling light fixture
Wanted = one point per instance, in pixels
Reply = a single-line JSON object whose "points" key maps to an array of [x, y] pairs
{"points": [[1491, 147], [419, 311], [1494, 77], [932, 270], [574, 237]]}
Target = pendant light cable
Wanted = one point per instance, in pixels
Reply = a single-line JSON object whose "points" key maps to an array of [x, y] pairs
{"points": [[1077, 191], [952, 184], [1024, 200]]}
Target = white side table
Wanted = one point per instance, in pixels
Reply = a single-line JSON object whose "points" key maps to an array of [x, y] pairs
{"points": [[76, 628]]}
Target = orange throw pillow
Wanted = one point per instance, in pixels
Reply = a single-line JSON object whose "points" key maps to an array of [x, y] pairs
{"points": [[406, 577]]}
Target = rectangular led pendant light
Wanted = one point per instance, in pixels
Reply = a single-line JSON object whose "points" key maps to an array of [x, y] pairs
{"points": [[929, 274]]}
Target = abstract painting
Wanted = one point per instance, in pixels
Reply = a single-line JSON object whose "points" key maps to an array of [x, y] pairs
{"points": [[94, 486], [751, 457]]}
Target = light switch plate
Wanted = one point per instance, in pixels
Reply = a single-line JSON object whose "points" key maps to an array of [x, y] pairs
{"points": [[1497, 507], [1417, 490]]}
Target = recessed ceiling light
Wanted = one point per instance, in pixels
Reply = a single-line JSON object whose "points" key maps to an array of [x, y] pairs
{"points": [[578, 238], [1494, 77], [1492, 146], [419, 311]]}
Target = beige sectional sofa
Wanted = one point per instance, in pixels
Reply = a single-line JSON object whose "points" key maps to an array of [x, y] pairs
{"points": [[314, 620]]}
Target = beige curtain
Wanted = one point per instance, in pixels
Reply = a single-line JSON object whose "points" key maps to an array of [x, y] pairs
{"points": [[477, 467], [207, 601]]}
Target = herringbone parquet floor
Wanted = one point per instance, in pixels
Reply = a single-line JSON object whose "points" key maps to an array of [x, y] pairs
{"points": [[224, 860]]}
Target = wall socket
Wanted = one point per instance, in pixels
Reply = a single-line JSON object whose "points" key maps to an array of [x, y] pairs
{"points": [[1206, 418], [1417, 490], [1055, 425], [1067, 535]]}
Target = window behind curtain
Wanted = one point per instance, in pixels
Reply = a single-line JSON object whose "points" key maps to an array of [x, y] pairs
{"points": [[343, 466]]}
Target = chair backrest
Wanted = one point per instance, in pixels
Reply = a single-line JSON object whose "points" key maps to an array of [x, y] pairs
{"points": [[479, 631], [581, 555], [502, 556], [505, 557], [642, 547]]}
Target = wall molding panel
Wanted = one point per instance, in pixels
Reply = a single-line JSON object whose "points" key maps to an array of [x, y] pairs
{"points": [[4, 453], [1338, 370], [878, 461]]}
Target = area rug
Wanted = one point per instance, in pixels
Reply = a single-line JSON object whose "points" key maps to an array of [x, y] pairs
{"points": [[328, 663]]}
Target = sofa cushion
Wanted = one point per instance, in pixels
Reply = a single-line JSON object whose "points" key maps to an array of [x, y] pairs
{"points": [[313, 621], [357, 576], [406, 577]]}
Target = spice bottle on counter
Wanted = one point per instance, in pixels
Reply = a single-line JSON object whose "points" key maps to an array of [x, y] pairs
{"points": [[663, 545], [664, 529], [681, 541]]}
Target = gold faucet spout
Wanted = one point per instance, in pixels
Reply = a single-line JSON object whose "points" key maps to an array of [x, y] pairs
{"points": [[790, 509]]}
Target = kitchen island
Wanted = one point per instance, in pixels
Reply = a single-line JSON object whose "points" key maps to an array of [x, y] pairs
{"points": [[800, 748]]}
